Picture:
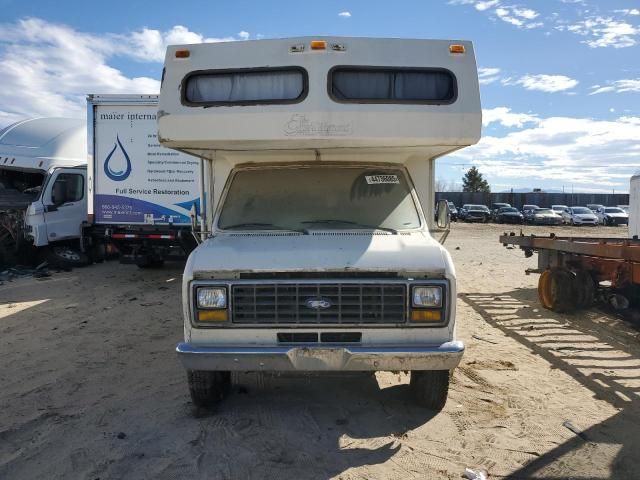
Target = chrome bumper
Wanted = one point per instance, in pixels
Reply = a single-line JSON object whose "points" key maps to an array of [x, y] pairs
{"points": [[307, 358]]}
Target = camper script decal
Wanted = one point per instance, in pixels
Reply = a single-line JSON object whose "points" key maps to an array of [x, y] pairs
{"points": [[300, 125]]}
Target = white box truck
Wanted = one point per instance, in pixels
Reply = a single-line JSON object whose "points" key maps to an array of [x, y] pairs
{"points": [[320, 156], [142, 197]]}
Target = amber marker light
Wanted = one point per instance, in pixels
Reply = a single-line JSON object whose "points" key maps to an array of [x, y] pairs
{"points": [[457, 49], [426, 315], [212, 315], [318, 45], [183, 53]]}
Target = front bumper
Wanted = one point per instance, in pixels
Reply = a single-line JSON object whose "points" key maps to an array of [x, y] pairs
{"points": [[311, 358]]}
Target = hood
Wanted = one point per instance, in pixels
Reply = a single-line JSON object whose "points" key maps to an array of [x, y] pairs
{"points": [[320, 251], [617, 215], [588, 216]]}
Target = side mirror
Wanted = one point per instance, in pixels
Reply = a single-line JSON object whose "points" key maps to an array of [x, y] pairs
{"points": [[444, 215]]}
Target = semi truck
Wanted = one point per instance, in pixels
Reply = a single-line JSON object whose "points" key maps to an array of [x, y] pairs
{"points": [[142, 197], [575, 272], [319, 254], [43, 204]]}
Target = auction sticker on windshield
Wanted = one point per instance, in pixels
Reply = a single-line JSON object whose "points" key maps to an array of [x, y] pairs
{"points": [[378, 179]]}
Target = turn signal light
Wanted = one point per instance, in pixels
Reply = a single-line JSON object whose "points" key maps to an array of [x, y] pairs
{"points": [[318, 45], [426, 315], [456, 49], [183, 53], [212, 315]]}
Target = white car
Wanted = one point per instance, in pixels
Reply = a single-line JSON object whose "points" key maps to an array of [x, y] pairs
{"points": [[559, 208], [579, 216], [612, 216]]}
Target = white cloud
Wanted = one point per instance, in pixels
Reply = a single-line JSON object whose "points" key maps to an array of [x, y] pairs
{"points": [[592, 153], [47, 69], [543, 83], [242, 35], [518, 17], [488, 75], [505, 117], [629, 11], [345, 14], [619, 86], [481, 6], [600, 32]]}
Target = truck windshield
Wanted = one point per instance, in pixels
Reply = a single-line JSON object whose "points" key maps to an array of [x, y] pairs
{"points": [[319, 197]]}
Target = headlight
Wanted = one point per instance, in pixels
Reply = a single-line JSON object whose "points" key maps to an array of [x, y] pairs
{"points": [[430, 297], [212, 297]]}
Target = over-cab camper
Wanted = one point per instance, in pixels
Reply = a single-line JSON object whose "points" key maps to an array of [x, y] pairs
{"points": [[319, 160]]}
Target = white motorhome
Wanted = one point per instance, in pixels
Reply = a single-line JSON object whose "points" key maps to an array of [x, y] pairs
{"points": [[320, 156], [42, 186]]}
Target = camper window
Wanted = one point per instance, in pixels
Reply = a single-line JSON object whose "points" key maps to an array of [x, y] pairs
{"points": [[245, 86], [319, 197], [391, 85]]}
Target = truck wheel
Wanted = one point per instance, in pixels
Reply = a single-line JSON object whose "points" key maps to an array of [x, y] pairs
{"points": [[207, 389], [98, 252], [149, 261], [64, 257], [585, 288], [430, 388]]}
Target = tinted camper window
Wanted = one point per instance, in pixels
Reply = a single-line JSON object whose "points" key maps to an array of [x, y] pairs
{"points": [[392, 85], [245, 86]]}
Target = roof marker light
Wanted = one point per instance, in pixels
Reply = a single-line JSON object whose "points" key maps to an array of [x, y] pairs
{"points": [[296, 48], [318, 45], [338, 47], [457, 49], [183, 53]]}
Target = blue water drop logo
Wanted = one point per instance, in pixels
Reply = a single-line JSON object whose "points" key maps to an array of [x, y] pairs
{"points": [[117, 176]]}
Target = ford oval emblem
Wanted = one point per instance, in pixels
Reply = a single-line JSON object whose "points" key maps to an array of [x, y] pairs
{"points": [[318, 303]]}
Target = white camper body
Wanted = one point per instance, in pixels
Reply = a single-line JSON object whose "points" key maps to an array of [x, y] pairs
{"points": [[141, 195], [320, 155], [634, 207], [42, 181]]}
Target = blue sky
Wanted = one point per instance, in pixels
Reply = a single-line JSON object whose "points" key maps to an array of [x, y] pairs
{"points": [[560, 79]]}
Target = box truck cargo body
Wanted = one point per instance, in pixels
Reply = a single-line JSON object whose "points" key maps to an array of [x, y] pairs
{"points": [[321, 154], [142, 196]]}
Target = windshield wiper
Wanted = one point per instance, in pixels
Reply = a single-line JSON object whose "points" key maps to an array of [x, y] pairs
{"points": [[265, 225], [332, 221]]}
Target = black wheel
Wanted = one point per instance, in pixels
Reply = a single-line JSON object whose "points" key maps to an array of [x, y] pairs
{"points": [[585, 288], [65, 257], [98, 252], [430, 388], [149, 261], [207, 389]]}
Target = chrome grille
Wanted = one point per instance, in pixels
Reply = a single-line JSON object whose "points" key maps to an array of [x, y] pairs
{"points": [[350, 303]]}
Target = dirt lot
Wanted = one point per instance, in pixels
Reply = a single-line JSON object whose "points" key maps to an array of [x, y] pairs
{"points": [[90, 388]]}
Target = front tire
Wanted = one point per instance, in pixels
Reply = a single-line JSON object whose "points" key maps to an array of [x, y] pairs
{"points": [[430, 388], [207, 389]]}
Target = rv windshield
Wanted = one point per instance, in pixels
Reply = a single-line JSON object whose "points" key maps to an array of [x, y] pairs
{"points": [[319, 197]]}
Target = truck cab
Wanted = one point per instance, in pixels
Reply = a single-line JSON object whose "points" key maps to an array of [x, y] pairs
{"points": [[319, 156], [43, 187]]}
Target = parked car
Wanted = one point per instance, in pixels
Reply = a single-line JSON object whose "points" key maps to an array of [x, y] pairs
{"points": [[579, 216], [624, 207], [494, 210], [527, 212], [594, 207], [545, 216], [454, 212], [509, 215], [559, 208], [462, 212], [477, 213], [612, 216]]}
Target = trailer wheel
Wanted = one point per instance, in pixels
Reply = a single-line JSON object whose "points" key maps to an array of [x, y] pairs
{"points": [[149, 261], [430, 388], [207, 389], [556, 290], [585, 288]]}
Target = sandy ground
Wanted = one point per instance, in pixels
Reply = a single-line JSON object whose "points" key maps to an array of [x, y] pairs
{"points": [[90, 388]]}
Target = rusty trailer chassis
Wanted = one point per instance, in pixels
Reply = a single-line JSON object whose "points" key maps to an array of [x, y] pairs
{"points": [[574, 269]]}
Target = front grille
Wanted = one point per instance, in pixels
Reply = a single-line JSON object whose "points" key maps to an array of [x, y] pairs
{"points": [[341, 303]]}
